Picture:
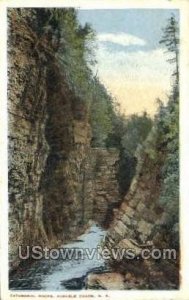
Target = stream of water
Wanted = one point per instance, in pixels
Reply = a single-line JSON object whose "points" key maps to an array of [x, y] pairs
{"points": [[62, 274]]}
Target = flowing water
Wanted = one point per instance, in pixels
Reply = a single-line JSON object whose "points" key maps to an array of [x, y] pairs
{"points": [[63, 274]]}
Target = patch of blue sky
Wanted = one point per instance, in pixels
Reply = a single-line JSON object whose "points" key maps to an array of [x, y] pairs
{"points": [[112, 47], [146, 24], [130, 61]]}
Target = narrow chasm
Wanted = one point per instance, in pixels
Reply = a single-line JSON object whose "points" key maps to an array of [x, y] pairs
{"points": [[83, 178], [62, 191]]}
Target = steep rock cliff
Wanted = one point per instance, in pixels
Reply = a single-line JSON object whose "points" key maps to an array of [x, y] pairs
{"points": [[103, 168], [142, 222], [53, 171], [28, 148]]}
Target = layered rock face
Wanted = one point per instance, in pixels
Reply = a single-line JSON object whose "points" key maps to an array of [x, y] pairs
{"points": [[137, 226], [28, 148], [138, 213], [57, 182], [102, 173]]}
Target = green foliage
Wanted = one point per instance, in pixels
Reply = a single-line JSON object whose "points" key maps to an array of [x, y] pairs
{"points": [[75, 54], [102, 112], [150, 145], [127, 134], [170, 39], [118, 130], [74, 47], [169, 137], [162, 144], [136, 131], [162, 147], [170, 35]]}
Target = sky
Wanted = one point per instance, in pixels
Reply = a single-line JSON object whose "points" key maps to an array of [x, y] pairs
{"points": [[130, 61]]}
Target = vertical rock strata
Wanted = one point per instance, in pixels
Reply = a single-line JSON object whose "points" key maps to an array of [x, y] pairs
{"points": [[28, 148], [100, 190], [57, 182], [138, 225]]}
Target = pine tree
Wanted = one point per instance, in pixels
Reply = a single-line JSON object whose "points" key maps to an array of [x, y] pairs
{"points": [[170, 39]]}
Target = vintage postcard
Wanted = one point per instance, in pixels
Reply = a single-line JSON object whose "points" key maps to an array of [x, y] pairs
{"points": [[94, 153]]}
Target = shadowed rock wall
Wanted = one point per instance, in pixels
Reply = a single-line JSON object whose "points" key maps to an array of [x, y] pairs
{"points": [[57, 183], [138, 224]]}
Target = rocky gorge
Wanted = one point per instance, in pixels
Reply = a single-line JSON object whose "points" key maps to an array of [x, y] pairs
{"points": [[58, 180], [139, 225]]}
